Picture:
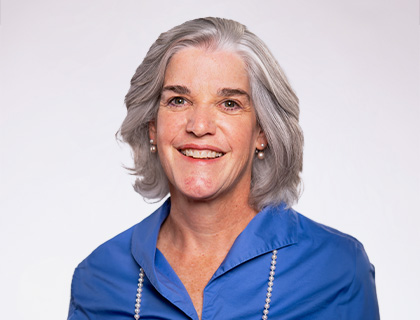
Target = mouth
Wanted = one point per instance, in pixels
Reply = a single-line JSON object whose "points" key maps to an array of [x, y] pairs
{"points": [[201, 154]]}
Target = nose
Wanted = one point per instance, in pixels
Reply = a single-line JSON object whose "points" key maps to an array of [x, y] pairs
{"points": [[201, 121]]}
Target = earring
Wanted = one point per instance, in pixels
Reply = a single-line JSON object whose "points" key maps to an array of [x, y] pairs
{"points": [[260, 153], [153, 148]]}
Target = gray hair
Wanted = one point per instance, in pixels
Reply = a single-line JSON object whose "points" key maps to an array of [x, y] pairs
{"points": [[276, 178]]}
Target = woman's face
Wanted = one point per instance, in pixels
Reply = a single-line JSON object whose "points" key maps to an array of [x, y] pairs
{"points": [[206, 130]]}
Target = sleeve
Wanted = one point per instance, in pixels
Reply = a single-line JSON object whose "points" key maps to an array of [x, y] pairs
{"points": [[75, 313], [361, 302]]}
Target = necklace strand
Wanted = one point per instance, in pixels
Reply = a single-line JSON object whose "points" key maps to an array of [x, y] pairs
{"points": [[267, 299]]}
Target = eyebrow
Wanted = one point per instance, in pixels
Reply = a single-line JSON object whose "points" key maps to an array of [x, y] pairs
{"points": [[225, 92], [228, 92], [177, 89]]}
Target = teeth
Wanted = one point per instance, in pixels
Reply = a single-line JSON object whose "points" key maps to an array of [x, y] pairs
{"points": [[201, 154]]}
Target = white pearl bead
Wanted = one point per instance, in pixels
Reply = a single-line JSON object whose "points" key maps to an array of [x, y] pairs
{"points": [[261, 155]]}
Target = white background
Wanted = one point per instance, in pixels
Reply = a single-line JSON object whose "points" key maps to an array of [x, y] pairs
{"points": [[65, 67]]}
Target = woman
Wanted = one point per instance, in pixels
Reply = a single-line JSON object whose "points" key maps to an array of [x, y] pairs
{"points": [[213, 121]]}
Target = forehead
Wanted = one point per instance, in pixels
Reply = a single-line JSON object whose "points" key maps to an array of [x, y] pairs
{"points": [[196, 67]]}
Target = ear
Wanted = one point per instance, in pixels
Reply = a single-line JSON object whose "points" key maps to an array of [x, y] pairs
{"points": [[261, 143], [152, 130]]}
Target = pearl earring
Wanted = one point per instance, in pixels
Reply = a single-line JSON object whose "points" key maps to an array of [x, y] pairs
{"points": [[153, 148], [260, 153]]}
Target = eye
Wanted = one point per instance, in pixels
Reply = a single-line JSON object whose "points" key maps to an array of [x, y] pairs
{"points": [[177, 101], [230, 105]]}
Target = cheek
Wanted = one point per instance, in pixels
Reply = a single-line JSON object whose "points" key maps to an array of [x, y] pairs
{"points": [[168, 126], [242, 134]]}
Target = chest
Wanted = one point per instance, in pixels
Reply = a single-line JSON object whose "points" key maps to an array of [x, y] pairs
{"points": [[195, 273], [240, 293]]}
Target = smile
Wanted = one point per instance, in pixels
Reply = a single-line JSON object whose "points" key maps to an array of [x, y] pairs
{"points": [[201, 154]]}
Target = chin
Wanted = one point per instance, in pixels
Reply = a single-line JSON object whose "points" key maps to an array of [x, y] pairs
{"points": [[197, 189]]}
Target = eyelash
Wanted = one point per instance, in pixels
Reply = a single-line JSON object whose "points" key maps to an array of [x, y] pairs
{"points": [[236, 105], [172, 101]]}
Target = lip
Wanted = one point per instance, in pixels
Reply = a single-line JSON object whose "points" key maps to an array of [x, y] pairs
{"points": [[200, 147]]}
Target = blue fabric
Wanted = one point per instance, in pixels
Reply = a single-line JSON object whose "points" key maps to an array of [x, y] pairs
{"points": [[321, 273]]}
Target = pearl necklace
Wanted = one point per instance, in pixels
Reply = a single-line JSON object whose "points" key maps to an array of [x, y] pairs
{"points": [[267, 299]]}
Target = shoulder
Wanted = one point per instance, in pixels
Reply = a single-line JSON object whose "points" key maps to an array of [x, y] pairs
{"points": [[326, 252], [340, 261], [343, 249], [105, 283], [318, 234], [103, 279], [318, 247], [108, 261], [115, 249], [118, 251], [333, 267]]}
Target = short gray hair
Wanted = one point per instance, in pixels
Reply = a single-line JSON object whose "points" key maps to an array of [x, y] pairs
{"points": [[276, 178]]}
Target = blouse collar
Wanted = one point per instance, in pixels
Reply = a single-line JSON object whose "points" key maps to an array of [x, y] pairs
{"points": [[272, 228]]}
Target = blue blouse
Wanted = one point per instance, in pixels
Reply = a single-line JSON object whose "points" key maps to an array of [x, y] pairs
{"points": [[320, 273]]}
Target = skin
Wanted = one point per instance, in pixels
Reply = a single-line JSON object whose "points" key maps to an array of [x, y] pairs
{"points": [[205, 105]]}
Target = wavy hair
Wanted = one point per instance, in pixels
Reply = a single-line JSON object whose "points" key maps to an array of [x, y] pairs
{"points": [[276, 178]]}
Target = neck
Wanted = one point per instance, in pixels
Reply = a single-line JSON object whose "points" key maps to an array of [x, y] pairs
{"points": [[194, 226], [197, 235]]}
